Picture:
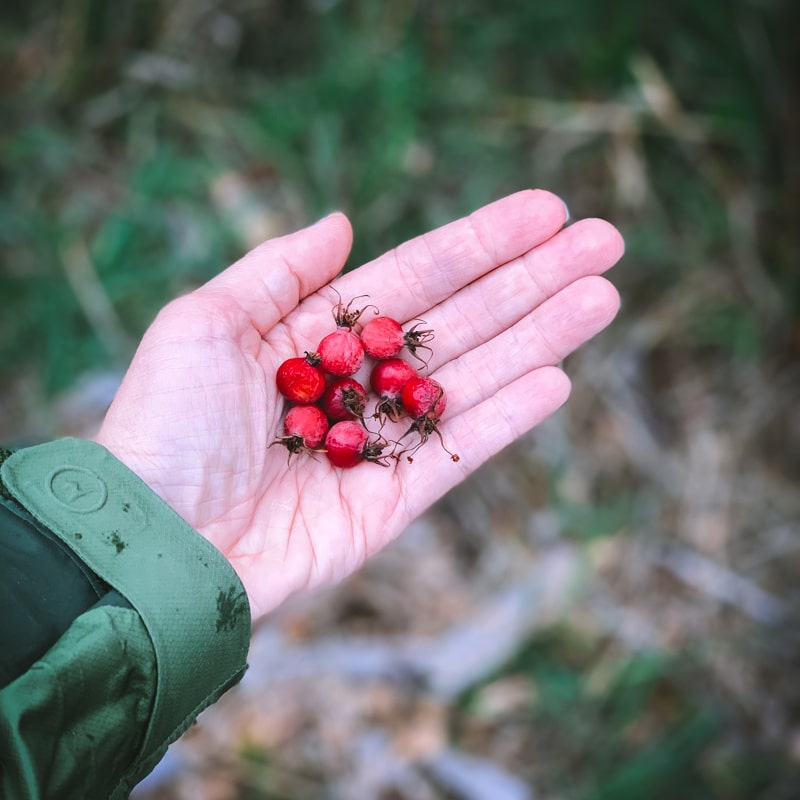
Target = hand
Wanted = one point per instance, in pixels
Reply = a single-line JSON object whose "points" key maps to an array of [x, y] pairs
{"points": [[509, 294]]}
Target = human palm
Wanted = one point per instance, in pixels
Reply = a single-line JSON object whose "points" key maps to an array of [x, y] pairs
{"points": [[509, 294]]}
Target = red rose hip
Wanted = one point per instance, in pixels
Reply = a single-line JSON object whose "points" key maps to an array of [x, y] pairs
{"points": [[304, 429], [347, 444], [424, 398], [345, 398], [387, 379], [300, 379], [341, 353], [382, 337], [425, 401]]}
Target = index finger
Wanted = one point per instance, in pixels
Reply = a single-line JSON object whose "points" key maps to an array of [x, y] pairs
{"points": [[418, 274]]}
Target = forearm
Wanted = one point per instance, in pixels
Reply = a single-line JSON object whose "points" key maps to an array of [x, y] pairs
{"points": [[166, 635]]}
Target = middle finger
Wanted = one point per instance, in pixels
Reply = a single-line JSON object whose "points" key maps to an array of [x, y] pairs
{"points": [[499, 300]]}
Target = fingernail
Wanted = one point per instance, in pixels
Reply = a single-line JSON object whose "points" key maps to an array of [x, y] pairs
{"points": [[566, 208]]}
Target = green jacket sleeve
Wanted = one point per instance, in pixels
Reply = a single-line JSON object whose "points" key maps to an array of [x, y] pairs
{"points": [[163, 631]]}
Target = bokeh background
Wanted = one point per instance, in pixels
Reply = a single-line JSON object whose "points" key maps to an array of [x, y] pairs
{"points": [[609, 609]]}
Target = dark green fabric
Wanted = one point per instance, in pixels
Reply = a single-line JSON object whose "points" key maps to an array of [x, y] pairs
{"points": [[4, 454], [46, 585], [72, 725], [189, 604]]}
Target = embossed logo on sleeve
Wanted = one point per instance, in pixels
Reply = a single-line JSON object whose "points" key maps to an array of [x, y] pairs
{"points": [[78, 488]]}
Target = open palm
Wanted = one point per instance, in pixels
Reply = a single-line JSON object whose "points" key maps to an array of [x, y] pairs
{"points": [[509, 293]]}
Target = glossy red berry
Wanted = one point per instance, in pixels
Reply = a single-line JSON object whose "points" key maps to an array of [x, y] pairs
{"points": [[300, 379], [423, 397], [345, 398], [304, 429], [347, 444], [382, 337], [387, 379], [341, 353]]}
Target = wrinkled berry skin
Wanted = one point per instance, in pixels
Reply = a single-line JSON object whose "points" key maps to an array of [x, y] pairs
{"points": [[304, 428], [424, 398], [300, 381], [345, 398], [345, 443], [382, 337], [308, 423], [341, 353]]}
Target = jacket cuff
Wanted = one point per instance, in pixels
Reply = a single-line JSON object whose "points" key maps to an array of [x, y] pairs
{"points": [[190, 599]]}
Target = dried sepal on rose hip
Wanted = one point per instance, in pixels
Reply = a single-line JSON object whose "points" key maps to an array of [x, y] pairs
{"points": [[304, 429], [300, 379], [416, 339], [348, 443], [344, 398], [345, 316], [384, 337], [387, 379], [424, 400]]}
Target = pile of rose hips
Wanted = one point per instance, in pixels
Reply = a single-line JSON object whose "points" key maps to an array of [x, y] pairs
{"points": [[329, 404]]}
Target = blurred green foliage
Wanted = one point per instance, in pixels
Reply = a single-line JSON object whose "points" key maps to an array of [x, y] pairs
{"points": [[620, 726], [119, 118]]}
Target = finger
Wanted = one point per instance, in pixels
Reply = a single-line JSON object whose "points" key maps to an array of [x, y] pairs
{"points": [[543, 338], [500, 299], [268, 282], [479, 433], [422, 272]]}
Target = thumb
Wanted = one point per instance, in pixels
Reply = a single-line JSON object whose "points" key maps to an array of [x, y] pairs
{"points": [[273, 278]]}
